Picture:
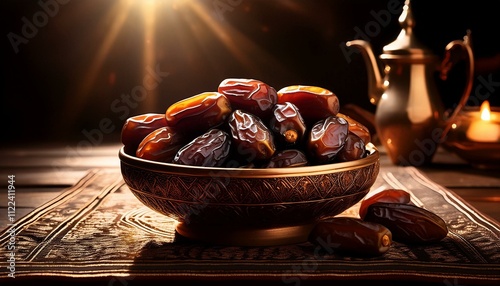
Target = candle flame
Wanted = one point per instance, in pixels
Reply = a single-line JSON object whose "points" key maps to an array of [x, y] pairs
{"points": [[485, 111]]}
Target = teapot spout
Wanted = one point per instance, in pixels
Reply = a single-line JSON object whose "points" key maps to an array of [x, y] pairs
{"points": [[375, 85]]}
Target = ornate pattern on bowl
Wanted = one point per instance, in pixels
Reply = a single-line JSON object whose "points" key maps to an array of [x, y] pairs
{"points": [[206, 200]]}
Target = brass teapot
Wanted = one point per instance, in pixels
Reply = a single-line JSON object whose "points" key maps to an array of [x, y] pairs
{"points": [[410, 119]]}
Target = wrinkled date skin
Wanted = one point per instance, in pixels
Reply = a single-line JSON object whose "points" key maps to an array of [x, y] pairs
{"points": [[288, 125], [352, 236], [160, 145], [288, 158], [250, 95], [354, 149], [198, 113], [357, 128], [137, 127], [409, 224], [386, 196], [251, 137], [210, 149], [314, 103], [326, 139]]}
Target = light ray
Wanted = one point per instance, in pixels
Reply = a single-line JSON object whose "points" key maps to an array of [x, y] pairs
{"points": [[173, 34], [149, 57], [241, 47], [76, 102], [229, 37]]}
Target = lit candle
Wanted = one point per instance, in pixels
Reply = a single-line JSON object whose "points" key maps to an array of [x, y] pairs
{"points": [[485, 128]]}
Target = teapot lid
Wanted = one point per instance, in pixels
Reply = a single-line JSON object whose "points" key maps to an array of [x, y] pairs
{"points": [[406, 45]]}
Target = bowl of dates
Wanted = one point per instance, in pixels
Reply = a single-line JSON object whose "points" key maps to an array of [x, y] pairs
{"points": [[243, 165]]}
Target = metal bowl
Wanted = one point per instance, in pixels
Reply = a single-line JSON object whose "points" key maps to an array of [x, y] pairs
{"points": [[245, 206]]}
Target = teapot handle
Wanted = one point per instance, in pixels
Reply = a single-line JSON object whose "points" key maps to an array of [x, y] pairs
{"points": [[447, 64]]}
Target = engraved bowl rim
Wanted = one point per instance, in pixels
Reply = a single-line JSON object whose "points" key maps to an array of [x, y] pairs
{"points": [[184, 170]]}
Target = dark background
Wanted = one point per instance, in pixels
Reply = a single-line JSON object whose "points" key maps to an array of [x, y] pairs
{"points": [[69, 75]]}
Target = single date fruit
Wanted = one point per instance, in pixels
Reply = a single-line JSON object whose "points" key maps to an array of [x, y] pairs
{"points": [[408, 223], [210, 149], [287, 124], [357, 128], [354, 148], [352, 236], [314, 103], [196, 114], [137, 127], [252, 138], [386, 196], [287, 158], [160, 145], [326, 139], [251, 95]]}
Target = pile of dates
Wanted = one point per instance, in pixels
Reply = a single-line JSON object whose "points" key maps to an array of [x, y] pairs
{"points": [[247, 123], [383, 217]]}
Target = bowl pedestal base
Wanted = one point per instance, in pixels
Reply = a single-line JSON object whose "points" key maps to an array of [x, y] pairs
{"points": [[236, 236]]}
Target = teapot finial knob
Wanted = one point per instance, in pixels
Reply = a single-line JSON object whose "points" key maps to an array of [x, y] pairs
{"points": [[406, 45], [406, 20]]}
